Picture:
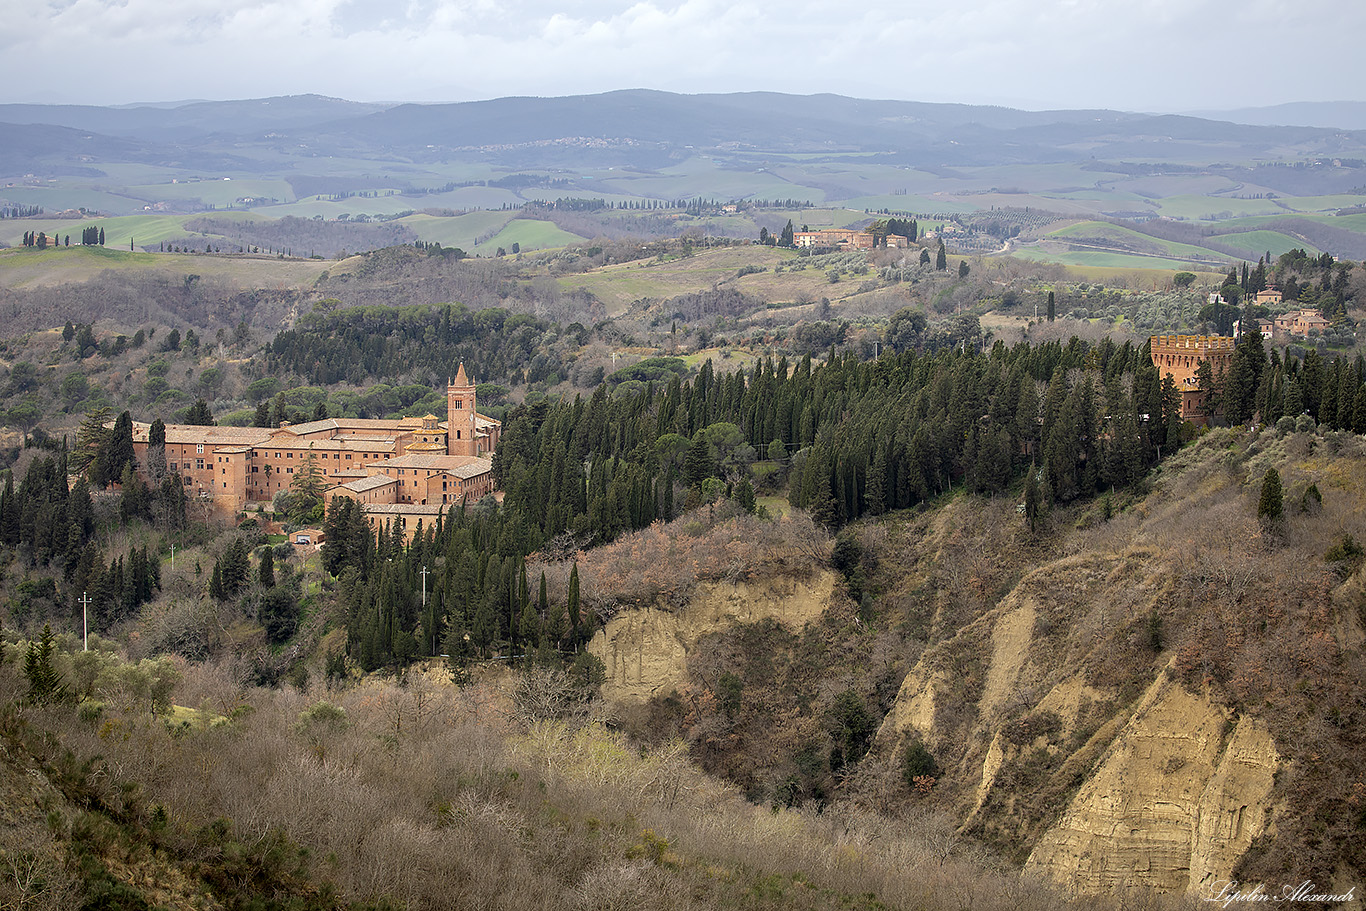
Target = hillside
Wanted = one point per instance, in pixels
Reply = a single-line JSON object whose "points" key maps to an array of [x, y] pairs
{"points": [[1152, 691], [416, 794]]}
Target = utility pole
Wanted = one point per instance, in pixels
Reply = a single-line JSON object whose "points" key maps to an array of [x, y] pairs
{"points": [[85, 621]]}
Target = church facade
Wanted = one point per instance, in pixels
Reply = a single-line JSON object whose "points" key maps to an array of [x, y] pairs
{"points": [[408, 462]]}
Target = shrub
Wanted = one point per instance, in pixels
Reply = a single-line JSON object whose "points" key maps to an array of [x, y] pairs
{"points": [[917, 763], [1347, 556]]}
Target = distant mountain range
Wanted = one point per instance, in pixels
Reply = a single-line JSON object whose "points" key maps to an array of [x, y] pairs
{"points": [[1333, 115], [640, 128]]}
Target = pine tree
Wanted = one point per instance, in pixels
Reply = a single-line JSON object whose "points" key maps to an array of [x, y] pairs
{"points": [[941, 258], [44, 681], [199, 414], [698, 464], [1052, 307]]}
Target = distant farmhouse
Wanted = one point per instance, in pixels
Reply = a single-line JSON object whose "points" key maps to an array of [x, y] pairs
{"points": [[846, 238], [1298, 323], [392, 467]]}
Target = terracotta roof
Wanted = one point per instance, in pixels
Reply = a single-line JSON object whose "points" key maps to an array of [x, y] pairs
{"points": [[465, 472], [339, 444], [437, 462], [343, 425], [209, 436], [373, 482], [405, 509]]}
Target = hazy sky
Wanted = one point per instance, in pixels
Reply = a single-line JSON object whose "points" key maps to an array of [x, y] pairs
{"points": [[1152, 55]]}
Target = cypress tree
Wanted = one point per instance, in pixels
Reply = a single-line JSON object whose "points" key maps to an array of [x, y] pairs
{"points": [[1270, 507], [1033, 498], [267, 574], [574, 597]]}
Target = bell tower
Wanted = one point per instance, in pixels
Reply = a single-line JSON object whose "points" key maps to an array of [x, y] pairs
{"points": [[460, 420]]}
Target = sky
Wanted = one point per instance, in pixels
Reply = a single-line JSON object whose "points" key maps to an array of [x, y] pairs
{"points": [[1138, 55]]}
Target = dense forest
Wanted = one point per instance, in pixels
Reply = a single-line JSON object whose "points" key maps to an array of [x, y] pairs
{"points": [[850, 438], [361, 344]]}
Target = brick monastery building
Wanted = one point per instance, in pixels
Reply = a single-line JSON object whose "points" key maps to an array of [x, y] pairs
{"points": [[394, 468]]}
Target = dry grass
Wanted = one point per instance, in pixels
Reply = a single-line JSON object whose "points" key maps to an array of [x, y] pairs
{"points": [[422, 796], [665, 562]]}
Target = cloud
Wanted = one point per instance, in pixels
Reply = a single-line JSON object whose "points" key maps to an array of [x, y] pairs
{"points": [[1141, 54]]}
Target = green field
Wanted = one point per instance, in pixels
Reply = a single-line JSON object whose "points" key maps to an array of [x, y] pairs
{"points": [[459, 231], [222, 194], [1125, 241], [313, 206], [118, 231], [1108, 260], [938, 205], [705, 177], [1256, 243], [617, 286], [530, 235], [1355, 223], [1325, 203], [22, 267], [1213, 208], [60, 198]]}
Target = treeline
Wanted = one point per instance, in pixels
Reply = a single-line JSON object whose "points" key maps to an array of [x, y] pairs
{"points": [[358, 344], [40, 240], [20, 211], [51, 524], [301, 236], [854, 439], [1257, 386], [478, 597], [859, 438]]}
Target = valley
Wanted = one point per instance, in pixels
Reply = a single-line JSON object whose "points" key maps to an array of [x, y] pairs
{"points": [[813, 578]]}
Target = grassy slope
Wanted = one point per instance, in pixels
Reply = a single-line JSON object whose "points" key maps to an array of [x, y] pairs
{"points": [[531, 235], [619, 286], [118, 230], [1124, 239], [460, 231], [27, 267], [1257, 243]]}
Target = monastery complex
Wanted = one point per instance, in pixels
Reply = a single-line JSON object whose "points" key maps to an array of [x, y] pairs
{"points": [[392, 467]]}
